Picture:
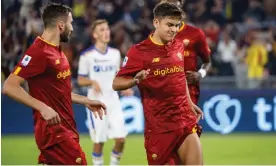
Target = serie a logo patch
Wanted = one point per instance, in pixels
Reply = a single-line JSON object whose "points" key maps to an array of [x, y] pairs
{"points": [[26, 60]]}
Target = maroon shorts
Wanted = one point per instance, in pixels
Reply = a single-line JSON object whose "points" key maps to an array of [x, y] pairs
{"points": [[162, 148], [67, 152]]}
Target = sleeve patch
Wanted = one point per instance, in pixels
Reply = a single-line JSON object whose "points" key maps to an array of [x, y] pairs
{"points": [[26, 60]]}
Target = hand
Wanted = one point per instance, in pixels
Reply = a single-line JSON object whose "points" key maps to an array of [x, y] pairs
{"points": [[198, 112], [96, 107], [50, 115], [141, 75], [127, 92], [96, 87], [193, 77]]}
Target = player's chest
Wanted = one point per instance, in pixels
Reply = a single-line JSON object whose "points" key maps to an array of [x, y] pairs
{"points": [[167, 61], [58, 66], [102, 64], [190, 45]]}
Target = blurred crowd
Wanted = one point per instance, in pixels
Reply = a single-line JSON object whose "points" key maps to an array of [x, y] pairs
{"points": [[240, 33]]}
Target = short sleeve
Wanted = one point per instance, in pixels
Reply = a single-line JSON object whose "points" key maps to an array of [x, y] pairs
{"points": [[118, 60], [132, 63], [83, 69], [203, 48], [31, 64]]}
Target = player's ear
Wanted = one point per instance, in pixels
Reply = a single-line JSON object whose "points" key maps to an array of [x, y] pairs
{"points": [[155, 22], [61, 26]]}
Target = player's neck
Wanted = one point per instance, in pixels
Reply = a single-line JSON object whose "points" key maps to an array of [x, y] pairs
{"points": [[51, 37], [157, 40], [101, 47]]}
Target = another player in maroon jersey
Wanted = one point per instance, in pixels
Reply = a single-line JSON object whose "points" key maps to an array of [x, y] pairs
{"points": [[156, 66], [196, 46], [47, 71]]}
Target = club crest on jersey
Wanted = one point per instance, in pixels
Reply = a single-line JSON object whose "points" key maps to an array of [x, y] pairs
{"points": [[26, 60], [125, 61], [186, 42], [179, 55]]}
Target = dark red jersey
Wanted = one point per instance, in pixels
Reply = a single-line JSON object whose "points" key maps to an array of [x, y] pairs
{"points": [[195, 45], [163, 92], [47, 71]]}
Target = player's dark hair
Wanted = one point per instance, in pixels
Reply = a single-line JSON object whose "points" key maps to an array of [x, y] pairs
{"points": [[52, 12], [166, 9]]}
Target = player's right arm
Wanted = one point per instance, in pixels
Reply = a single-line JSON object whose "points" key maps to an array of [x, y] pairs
{"points": [[131, 71], [29, 66], [83, 72]]}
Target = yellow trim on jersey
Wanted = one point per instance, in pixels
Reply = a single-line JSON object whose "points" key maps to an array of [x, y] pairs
{"points": [[159, 44], [47, 42], [182, 27], [194, 130], [17, 70]]}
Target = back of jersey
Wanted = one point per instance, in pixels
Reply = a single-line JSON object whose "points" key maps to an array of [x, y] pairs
{"points": [[100, 67]]}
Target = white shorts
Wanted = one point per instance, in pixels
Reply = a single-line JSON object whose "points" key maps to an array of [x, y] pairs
{"points": [[112, 126]]}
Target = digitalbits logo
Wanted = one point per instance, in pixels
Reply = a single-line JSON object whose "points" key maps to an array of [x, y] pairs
{"points": [[221, 105]]}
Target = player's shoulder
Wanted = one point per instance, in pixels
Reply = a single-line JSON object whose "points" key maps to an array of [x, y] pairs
{"points": [[113, 49], [190, 28], [88, 51], [37, 48]]}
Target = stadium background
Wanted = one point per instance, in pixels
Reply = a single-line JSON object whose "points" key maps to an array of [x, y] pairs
{"points": [[240, 109]]}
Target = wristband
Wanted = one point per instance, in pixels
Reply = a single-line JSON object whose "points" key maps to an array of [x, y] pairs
{"points": [[202, 72]]}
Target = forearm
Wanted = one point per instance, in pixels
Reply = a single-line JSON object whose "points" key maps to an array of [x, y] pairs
{"points": [[205, 68], [188, 96], [78, 99], [121, 83], [17, 93], [84, 81]]}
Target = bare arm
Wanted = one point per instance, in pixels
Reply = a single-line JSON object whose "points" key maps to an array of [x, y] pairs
{"points": [[121, 83], [79, 99], [97, 107], [206, 64], [84, 81], [12, 88]]}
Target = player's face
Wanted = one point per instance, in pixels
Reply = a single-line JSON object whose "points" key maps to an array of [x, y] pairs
{"points": [[167, 28], [102, 33], [67, 30]]}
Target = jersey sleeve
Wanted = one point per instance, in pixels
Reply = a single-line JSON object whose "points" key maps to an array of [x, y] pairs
{"points": [[203, 48], [132, 63], [83, 69], [31, 64], [118, 61]]}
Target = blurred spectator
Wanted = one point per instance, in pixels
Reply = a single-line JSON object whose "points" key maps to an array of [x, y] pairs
{"points": [[256, 60], [227, 50]]}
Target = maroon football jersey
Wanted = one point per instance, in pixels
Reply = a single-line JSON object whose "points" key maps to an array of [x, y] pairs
{"points": [[195, 46], [47, 71], [163, 92]]}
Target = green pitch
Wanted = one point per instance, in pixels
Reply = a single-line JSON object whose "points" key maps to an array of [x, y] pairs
{"points": [[218, 149]]}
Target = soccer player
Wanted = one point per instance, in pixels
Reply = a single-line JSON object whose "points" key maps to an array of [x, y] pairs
{"points": [[47, 71], [196, 46], [156, 66], [97, 68]]}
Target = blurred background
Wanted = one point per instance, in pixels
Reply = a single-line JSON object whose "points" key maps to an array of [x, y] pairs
{"points": [[239, 101]]}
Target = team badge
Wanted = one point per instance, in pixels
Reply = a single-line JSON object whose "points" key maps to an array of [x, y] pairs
{"points": [[26, 60], [57, 61], [78, 160], [186, 42], [154, 156]]}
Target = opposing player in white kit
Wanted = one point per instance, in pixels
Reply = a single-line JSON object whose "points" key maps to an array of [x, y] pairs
{"points": [[97, 68]]}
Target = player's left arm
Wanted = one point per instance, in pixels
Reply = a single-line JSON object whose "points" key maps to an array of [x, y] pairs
{"points": [[203, 51], [95, 106], [197, 111]]}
